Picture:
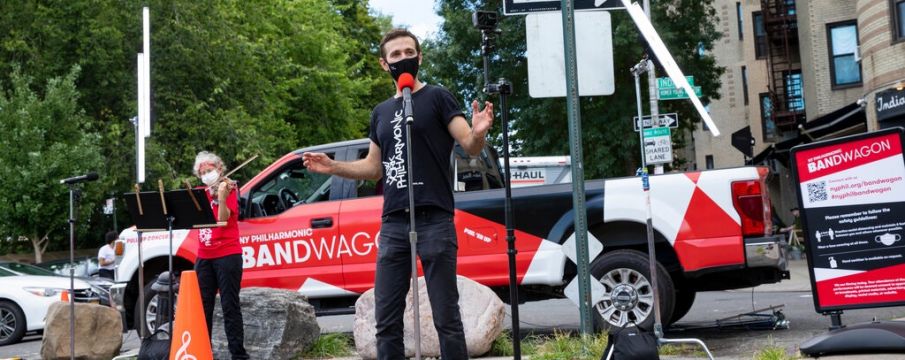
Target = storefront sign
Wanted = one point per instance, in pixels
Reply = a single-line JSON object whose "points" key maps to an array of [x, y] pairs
{"points": [[890, 104], [852, 201]]}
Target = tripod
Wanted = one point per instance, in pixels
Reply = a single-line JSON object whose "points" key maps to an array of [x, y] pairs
{"points": [[486, 21], [75, 194]]}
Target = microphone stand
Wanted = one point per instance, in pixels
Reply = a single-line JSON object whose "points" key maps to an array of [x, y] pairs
{"points": [[413, 235], [504, 89], [74, 197]]}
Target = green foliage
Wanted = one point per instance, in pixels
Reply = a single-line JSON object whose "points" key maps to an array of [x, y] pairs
{"points": [[46, 138], [235, 77], [682, 349], [562, 345], [772, 353], [330, 346], [502, 345], [610, 146]]}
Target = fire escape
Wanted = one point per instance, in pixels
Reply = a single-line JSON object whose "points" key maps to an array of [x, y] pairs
{"points": [[783, 63]]}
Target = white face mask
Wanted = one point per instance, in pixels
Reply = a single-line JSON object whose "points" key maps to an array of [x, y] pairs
{"points": [[210, 178]]}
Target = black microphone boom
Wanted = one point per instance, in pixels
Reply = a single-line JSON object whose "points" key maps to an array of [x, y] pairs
{"points": [[81, 178], [407, 104]]}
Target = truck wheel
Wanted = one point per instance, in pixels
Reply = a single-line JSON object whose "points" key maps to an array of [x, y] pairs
{"points": [[684, 301], [12, 323], [629, 295], [150, 316]]}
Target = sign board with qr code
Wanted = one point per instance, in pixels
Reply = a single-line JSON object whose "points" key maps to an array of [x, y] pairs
{"points": [[852, 208]]}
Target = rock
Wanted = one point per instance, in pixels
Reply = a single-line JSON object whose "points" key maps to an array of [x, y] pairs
{"points": [[98, 332], [279, 324], [482, 317]]}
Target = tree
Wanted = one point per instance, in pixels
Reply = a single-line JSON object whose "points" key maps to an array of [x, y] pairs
{"points": [[539, 126], [46, 139], [235, 77]]}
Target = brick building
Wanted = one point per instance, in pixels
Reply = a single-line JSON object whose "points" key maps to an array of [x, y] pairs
{"points": [[799, 71]]}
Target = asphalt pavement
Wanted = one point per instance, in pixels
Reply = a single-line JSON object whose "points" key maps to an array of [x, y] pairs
{"points": [[542, 317]]}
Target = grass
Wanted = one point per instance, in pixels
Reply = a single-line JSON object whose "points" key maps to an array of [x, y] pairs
{"points": [[330, 346], [561, 345], [772, 353], [682, 350]]}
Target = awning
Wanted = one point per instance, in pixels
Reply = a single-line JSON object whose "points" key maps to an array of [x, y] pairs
{"points": [[850, 119]]}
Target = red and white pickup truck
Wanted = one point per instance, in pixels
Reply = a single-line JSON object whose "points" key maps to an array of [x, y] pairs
{"points": [[318, 235]]}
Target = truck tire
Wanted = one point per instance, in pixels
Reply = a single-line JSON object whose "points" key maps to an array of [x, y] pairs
{"points": [[684, 301], [12, 323], [628, 296], [150, 311]]}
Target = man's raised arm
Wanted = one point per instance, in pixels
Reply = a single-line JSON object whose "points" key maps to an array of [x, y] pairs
{"points": [[364, 169]]}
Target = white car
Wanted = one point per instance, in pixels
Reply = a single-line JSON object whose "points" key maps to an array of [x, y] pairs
{"points": [[24, 299]]}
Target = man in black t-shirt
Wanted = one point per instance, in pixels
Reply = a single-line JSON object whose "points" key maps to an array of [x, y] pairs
{"points": [[439, 122]]}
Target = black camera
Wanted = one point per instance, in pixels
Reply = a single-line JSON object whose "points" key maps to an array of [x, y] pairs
{"points": [[485, 20]]}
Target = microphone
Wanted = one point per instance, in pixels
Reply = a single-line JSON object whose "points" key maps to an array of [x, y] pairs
{"points": [[81, 178], [405, 83]]}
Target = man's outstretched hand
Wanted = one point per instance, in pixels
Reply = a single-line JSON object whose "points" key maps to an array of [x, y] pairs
{"points": [[318, 163]]}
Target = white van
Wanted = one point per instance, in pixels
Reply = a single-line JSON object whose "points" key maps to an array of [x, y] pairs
{"points": [[539, 170]]}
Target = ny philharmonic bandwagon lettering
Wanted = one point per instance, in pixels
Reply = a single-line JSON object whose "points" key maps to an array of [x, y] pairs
{"points": [[395, 167], [839, 156]]}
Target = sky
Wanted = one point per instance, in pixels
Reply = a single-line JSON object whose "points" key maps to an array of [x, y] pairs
{"points": [[416, 15]]}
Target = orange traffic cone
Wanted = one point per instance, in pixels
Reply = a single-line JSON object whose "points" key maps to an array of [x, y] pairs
{"points": [[64, 296], [190, 338]]}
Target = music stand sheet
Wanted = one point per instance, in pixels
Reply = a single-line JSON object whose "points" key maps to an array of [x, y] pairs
{"points": [[186, 214], [151, 218]]}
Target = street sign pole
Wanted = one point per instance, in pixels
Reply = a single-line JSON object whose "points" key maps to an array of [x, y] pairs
{"points": [[578, 196], [652, 88]]}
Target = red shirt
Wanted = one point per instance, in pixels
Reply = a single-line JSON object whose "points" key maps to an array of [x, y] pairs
{"points": [[221, 241]]}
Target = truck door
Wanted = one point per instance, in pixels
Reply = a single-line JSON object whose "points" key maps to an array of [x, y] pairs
{"points": [[360, 226], [289, 234]]}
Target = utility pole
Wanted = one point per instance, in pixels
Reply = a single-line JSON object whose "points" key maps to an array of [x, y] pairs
{"points": [[652, 88]]}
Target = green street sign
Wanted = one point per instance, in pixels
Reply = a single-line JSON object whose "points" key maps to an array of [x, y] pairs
{"points": [[654, 132], [676, 94], [666, 82], [658, 145]]}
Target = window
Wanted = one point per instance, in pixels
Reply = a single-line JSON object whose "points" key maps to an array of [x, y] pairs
{"points": [[365, 188], [766, 116], [843, 38], [291, 186], [898, 15], [794, 90], [745, 84], [709, 160], [760, 36], [476, 172], [741, 20]]}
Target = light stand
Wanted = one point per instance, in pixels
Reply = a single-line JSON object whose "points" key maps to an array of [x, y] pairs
{"points": [[486, 22], [142, 319], [74, 196], [413, 235], [636, 71]]}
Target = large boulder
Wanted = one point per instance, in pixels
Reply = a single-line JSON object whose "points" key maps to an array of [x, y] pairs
{"points": [[98, 332], [482, 316], [279, 324]]}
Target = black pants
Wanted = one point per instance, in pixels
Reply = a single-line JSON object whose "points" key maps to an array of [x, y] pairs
{"points": [[224, 274], [105, 273], [437, 249]]}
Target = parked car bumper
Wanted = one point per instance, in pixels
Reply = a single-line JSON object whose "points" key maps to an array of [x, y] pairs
{"points": [[769, 251]]}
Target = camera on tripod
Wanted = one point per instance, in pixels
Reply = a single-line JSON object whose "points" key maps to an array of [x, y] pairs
{"points": [[485, 20]]}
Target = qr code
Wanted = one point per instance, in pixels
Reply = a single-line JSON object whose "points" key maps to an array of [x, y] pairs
{"points": [[817, 191]]}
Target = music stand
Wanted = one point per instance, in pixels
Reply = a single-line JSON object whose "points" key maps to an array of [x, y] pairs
{"points": [[176, 209], [146, 211]]}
